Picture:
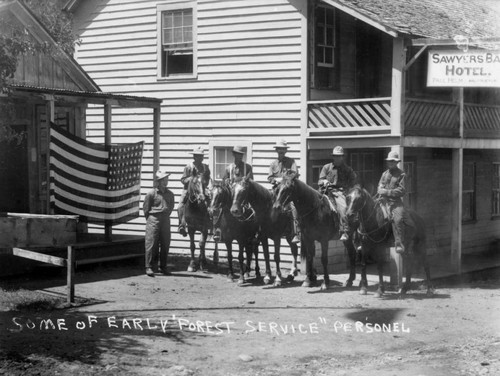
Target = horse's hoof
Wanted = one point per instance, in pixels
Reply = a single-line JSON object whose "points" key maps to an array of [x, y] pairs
{"points": [[192, 267], [277, 282], [363, 291], [402, 292], [348, 283], [267, 280], [290, 278], [230, 278], [324, 286], [430, 292], [247, 275], [378, 294], [241, 282], [306, 284]]}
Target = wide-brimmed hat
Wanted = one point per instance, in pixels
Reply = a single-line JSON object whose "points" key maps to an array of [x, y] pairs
{"points": [[162, 175], [281, 144], [338, 150], [198, 151], [239, 149], [393, 156]]}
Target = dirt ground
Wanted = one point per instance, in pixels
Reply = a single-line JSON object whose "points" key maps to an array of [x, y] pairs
{"points": [[125, 323]]}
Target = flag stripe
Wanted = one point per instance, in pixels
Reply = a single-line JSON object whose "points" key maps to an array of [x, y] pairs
{"points": [[97, 182]]}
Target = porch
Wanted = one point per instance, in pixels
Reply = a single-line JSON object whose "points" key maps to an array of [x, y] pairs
{"points": [[422, 117]]}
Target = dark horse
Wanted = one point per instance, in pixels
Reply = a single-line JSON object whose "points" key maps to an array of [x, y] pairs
{"points": [[376, 235], [197, 219], [261, 200], [242, 229], [318, 222]]}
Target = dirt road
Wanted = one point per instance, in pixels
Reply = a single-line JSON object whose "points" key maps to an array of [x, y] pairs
{"points": [[200, 324]]}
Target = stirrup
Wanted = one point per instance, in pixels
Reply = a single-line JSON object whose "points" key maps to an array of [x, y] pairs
{"points": [[182, 231], [217, 235], [344, 237], [296, 239]]}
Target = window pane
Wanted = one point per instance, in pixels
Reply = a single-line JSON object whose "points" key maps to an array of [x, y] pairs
{"points": [[167, 36], [330, 35], [328, 55], [329, 16], [167, 20], [178, 18], [320, 35]]}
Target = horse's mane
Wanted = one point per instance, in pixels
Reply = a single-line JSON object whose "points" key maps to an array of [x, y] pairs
{"points": [[194, 187]]}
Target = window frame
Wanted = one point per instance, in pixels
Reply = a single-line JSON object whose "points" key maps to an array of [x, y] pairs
{"points": [[410, 169], [471, 193], [215, 145], [166, 7]]}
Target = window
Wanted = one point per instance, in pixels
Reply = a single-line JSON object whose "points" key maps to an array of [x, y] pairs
{"points": [[469, 192], [495, 198], [176, 38], [363, 163], [324, 52], [221, 156]]}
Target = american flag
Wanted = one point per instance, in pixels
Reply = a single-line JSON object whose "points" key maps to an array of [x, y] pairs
{"points": [[97, 182]]}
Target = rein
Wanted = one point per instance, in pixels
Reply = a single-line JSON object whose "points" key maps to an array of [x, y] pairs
{"points": [[362, 221]]}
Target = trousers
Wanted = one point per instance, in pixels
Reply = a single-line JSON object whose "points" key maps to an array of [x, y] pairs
{"points": [[157, 240]]}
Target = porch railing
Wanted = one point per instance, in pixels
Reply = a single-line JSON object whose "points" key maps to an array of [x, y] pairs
{"points": [[372, 114], [423, 117]]}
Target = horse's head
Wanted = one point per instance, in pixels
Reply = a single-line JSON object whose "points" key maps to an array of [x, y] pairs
{"points": [[356, 200], [195, 190], [284, 193], [240, 196], [221, 197]]}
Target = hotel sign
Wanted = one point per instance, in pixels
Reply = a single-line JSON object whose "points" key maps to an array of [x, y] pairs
{"points": [[463, 69]]}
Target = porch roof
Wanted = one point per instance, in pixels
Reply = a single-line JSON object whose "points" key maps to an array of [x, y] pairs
{"points": [[443, 19], [123, 100]]}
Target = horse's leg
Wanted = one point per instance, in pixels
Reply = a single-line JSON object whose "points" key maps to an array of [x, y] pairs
{"points": [[324, 262], [255, 249], [408, 259], [265, 247], [248, 248], [277, 260], [241, 260], [351, 254], [230, 273], [192, 263], [363, 283], [425, 263], [307, 250], [380, 268], [203, 242], [295, 270]]}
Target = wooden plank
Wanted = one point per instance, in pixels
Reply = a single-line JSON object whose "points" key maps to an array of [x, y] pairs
{"points": [[70, 281], [108, 258], [48, 259]]}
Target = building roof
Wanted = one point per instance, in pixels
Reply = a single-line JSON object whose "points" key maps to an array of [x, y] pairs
{"points": [[436, 19]]}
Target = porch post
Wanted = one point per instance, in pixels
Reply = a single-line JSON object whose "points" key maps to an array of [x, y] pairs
{"points": [[457, 186], [397, 126], [51, 109], [108, 226]]}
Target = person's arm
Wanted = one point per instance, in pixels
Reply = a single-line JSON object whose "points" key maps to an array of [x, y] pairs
{"points": [[323, 176], [146, 208], [352, 178], [170, 202], [186, 176], [271, 178], [399, 190], [226, 179], [381, 190]]}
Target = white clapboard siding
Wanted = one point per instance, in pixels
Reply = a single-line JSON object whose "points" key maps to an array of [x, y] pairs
{"points": [[248, 85]]}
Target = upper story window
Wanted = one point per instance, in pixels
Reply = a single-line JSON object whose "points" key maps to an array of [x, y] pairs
{"points": [[325, 66], [177, 40]]}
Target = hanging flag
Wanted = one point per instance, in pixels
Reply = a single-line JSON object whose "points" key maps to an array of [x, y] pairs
{"points": [[95, 181]]}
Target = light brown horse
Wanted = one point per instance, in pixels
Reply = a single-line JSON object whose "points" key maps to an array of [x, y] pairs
{"points": [[197, 219], [376, 235]]}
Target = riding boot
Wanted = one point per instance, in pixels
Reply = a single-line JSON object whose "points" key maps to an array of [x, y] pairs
{"points": [[398, 229], [295, 226], [182, 223]]}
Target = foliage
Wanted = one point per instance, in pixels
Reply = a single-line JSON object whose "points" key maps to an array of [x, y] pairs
{"points": [[15, 41]]}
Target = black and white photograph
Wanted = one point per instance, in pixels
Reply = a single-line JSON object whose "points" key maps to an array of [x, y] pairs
{"points": [[250, 187]]}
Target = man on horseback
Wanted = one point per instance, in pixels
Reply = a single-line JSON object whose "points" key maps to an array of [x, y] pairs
{"points": [[195, 168], [277, 169], [238, 169], [391, 190], [235, 171], [335, 179]]}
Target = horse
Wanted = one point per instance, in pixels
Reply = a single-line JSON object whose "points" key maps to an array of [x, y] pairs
{"points": [[318, 222], [376, 235], [261, 200], [197, 219], [244, 230]]}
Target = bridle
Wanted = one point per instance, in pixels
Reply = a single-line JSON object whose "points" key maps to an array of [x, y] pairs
{"points": [[363, 220]]}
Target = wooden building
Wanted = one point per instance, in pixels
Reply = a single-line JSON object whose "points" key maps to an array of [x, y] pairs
{"points": [[52, 88], [318, 73]]}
